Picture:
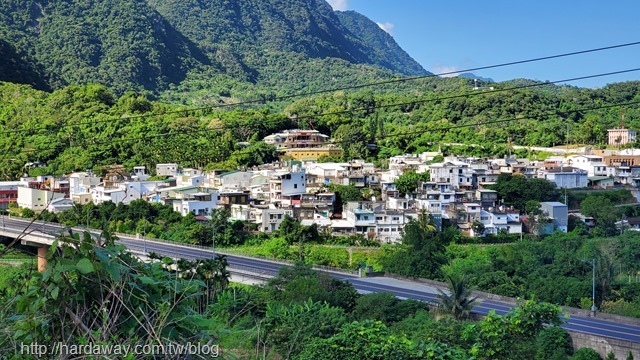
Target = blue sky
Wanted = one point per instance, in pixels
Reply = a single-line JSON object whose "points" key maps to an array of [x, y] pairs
{"points": [[454, 35]]}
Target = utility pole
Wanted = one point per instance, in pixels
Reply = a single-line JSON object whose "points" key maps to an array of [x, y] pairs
{"points": [[593, 285]]}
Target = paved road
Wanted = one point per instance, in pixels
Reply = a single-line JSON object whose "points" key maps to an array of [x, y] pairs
{"points": [[400, 288]]}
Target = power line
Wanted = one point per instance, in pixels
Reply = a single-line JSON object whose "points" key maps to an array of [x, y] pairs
{"points": [[352, 87], [501, 121], [341, 112]]}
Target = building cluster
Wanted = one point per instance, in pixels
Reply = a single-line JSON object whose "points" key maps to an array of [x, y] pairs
{"points": [[458, 190]]}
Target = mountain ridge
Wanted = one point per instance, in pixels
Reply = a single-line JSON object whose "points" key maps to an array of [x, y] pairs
{"points": [[152, 45]]}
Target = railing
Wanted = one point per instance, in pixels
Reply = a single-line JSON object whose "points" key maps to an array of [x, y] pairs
{"points": [[234, 252]]}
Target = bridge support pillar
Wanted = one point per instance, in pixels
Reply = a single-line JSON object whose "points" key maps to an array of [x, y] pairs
{"points": [[42, 257]]}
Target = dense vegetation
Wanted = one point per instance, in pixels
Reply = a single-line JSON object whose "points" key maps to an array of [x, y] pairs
{"points": [[531, 267], [77, 128], [300, 314]]}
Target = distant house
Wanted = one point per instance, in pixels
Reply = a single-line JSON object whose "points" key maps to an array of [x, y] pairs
{"points": [[36, 199], [557, 211], [565, 177], [621, 136]]}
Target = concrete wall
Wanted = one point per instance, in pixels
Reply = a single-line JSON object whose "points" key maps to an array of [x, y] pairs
{"points": [[605, 345]]}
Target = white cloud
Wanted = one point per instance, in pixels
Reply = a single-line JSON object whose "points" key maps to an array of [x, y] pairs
{"points": [[340, 5], [388, 27], [448, 71]]}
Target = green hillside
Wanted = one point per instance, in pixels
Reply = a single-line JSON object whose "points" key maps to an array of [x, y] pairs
{"points": [[157, 45]]}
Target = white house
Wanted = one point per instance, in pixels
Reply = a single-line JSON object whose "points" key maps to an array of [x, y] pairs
{"points": [[496, 221], [456, 173], [200, 204], [102, 194], [592, 164], [361, 215], [60, 205], [287, 187], [236, 179], [170, 169], [82, 182], [565, 177], [36, 199]]}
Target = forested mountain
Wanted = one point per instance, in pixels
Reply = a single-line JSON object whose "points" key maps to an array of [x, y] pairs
{"points": [[149, 44], [386, 51]]}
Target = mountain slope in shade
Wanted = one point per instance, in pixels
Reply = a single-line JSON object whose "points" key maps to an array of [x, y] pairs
{"points": [[386, 52], [150, 44]]}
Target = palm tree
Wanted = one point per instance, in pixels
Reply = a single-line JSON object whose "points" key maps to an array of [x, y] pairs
{"points": [[458, 302], [426, 222]]}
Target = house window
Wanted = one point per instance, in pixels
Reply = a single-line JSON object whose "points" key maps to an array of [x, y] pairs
{"points": [[295, 186], [396, 218], [279, 216]]}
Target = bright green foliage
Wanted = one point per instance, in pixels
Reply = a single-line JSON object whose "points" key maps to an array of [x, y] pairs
{"points": [[586, 354], [408, 182], [611, 356], [510, 336], [137, 303], [422, 251], [290, 327], [373, 340], [518, 191]]}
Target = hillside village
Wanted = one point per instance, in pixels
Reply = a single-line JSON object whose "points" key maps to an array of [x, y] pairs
{"points": [[457, 190]]}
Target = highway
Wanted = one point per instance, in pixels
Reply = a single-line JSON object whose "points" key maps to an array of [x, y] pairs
{"points": [[409, 290]]}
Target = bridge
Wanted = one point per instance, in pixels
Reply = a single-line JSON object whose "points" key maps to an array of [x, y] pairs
{"points": [[604, 333]]}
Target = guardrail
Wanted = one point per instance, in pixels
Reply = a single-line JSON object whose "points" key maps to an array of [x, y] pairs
{"points": [[248, 271], [234, 253], [204, 248]]}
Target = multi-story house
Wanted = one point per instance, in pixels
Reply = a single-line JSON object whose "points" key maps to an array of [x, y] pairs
{"points": [[36, 199], [8, 193], [390, 224], [259, 187], [621, 136], [456, 173], [199, 203], [236, 179], [592, 164], [361, 215], [101, 194], [565, 176], [303, 144], [486, 198], [496, 221], [286, 188], [269, 218], [80, 185], [167, 169]]}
